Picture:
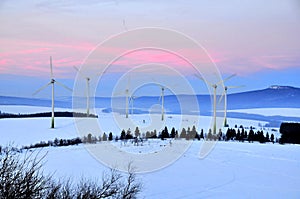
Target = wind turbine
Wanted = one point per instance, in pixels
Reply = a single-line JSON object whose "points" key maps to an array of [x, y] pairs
{"points": [[225, 101], [127, 101], [127, 98], [162, 98], [87, 91], [215, 86], [52, 82], [131, 101]]}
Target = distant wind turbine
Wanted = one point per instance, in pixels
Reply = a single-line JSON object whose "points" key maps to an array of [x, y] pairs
{"points": [[127, 98], [87, 91], [131, 101], [215, 86], [225, 101], [162, 97], [52, 82]]}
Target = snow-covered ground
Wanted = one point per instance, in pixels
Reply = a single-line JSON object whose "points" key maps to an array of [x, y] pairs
{"points": [[230, 170], [288, 112]]}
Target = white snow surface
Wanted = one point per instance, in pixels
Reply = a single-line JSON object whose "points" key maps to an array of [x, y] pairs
{"points": [[288, 112], [230, 170]]}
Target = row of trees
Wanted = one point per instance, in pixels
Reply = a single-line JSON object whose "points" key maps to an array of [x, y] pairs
{"points": [[191, 133], [242, 135], [290, 133], [239, 134], [46, 114]]}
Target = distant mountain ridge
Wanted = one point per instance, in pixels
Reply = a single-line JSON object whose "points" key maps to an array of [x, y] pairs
{"points": [[273, 97]]}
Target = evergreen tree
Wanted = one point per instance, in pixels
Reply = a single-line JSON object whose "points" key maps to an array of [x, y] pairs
{"points": [[194, 133], [201, 134], [104, 137], [228, 134], [154, 134], [242, 135], [183, 133], [165, 133], [110, 136], [272, 138], [188, 134], [56, 142], [267, 137], [148, 135], [176, 134], [137, 132], [128, 134], [238, 136], [123, 135], [89, 138], [261, 137], [173, 133], [220, 134], [251, 135], [209, 135]]}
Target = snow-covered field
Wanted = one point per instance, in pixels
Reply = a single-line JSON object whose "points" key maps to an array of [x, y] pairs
{"points": [[230, 170], [288, 112]]}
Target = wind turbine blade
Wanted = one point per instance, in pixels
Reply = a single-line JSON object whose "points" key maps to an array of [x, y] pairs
{"points": [[43, 87], [203, 80], [130, 99], [226, 79], [221, 97], [199, 77], [79, 72], [51, 70], [62, 85]]}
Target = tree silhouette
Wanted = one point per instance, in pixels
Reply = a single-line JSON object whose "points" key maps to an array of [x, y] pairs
{"points": [[201, 134], [165, 133], [137, 132], [173, 133], [110, 136], [123, 135], [272, 138], [104, 137], [209, 135], [183, 133], [267, 137]]}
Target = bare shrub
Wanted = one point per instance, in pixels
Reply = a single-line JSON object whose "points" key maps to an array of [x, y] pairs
{"points": [[22, 176]]}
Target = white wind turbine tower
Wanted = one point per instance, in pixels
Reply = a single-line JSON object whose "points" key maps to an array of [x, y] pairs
{"points": [[162, 98], [215, 86], [87, 91], [127, 98], [225, 101], [131, 101], [52, 82]]}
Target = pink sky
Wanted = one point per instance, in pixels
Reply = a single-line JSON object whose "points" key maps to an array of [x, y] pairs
{"points": [[241, 38]]}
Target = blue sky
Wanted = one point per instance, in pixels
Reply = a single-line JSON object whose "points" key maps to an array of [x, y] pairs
{"points": [[257, 40]]}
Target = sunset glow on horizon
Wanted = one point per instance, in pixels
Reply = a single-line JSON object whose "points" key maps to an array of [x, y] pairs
{"points": [[246, 38]]}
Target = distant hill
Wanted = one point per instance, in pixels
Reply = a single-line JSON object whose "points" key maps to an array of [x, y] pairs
{"points": [[272, 97], [8, 100]]}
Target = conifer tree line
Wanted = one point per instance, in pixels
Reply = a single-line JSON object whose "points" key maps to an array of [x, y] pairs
{"points": [[289, 134]]}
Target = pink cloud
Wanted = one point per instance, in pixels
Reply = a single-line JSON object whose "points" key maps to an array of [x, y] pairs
{"points": [[32, 58]]}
